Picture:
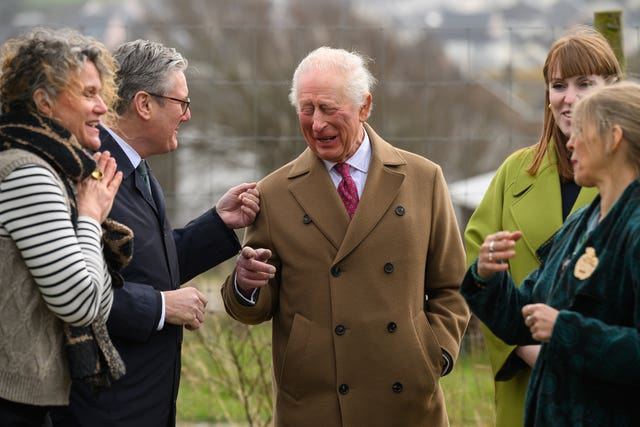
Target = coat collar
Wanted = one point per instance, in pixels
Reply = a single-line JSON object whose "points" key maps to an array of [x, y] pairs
{"points": [[309, 183], [109, 143], [546, 172], [531, 192]]}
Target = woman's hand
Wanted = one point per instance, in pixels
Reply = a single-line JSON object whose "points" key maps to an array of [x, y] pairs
{"points": [[540, 319], [528, 353], [496, 249], [96, 193]]}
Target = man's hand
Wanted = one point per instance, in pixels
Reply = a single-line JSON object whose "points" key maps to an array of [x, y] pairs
{"points": [[252, 269], [185, 306], [239, 206]]}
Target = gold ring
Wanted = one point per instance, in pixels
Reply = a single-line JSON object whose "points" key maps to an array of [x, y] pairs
{"points": [[97, 174], [527, 320]]}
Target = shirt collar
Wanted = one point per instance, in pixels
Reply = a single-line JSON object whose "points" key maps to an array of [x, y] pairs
{"points": [[360, 159], [131, 154]]}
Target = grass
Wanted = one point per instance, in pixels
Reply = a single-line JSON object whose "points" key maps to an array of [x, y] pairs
{"points": [[226, 374], [226, 378], [468, 389]]}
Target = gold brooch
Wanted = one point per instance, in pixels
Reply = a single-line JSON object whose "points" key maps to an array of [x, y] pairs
{"points": [[586, 264]]}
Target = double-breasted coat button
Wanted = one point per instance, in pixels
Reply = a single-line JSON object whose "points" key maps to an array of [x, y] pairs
{"points": [[399, 210], [340, 330], [343, 389], [392, 327], [335, 271], [388, 268], [396, 387], [306, 219]]}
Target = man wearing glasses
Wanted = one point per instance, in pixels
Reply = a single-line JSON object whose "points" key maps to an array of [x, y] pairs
{"points": [[150, 310], [183, 102]]}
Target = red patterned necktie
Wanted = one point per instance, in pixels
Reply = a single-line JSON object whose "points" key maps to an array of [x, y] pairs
{"points": [[347, 188]]}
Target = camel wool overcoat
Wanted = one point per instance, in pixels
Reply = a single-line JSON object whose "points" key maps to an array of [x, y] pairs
{"points": [[362, 309]]}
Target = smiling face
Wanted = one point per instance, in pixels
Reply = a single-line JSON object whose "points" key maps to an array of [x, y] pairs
{"points": [[168, 116], [330, 122], [564, 92], [79, 109]]}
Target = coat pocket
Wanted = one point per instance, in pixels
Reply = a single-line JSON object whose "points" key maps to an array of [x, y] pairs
{"points": [[294, 355], [430, 350]]}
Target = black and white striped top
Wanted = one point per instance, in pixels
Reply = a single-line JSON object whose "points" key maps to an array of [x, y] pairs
{"points": [[66, 264]]}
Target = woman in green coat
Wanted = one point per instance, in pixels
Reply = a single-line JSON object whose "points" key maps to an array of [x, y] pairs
{"points": [[583, 302], [534, 191]]}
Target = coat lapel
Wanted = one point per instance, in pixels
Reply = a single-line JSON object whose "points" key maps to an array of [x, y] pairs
{"points": [[156, 198], [530, 193], [310, 183], [107, 143], [384, 179], [128, 171]]}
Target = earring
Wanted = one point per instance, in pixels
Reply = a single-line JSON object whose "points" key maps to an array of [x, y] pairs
{"points": [[549, 106]]}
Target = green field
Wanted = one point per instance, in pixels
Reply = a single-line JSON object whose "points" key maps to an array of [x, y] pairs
{"points": [[226, 378]]}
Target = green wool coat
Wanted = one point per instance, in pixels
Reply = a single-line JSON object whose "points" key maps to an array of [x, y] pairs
{"points": [[352, 343], [516, 200], [588, 374]]}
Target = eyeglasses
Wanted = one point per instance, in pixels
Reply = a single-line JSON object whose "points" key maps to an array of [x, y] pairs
{"points": [[184, 103]]}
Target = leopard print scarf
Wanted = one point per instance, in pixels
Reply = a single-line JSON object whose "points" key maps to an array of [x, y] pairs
{"points": [[92, 356]]}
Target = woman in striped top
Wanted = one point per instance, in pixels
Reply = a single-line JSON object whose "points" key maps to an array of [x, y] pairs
{"points": [[55, 85]]}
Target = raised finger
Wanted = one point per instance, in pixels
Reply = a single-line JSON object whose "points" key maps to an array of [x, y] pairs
{"points": [[108, 168], [102, 158], [248, 252], [115, 182], [263, 254]]}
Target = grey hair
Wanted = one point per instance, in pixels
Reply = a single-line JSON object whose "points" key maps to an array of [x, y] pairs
{"points": [[144, 66], [617, 104], [50, 59], [358, 80]]}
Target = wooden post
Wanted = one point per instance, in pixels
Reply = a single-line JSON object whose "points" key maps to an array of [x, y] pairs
{"points": [[609, 24]]}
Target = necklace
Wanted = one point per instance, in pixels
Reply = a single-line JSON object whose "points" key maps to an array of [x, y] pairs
{"points": [[592, 222], [591, 225]]}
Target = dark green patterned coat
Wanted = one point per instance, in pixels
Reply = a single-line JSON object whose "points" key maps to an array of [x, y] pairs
{"points": [[588, 374]]}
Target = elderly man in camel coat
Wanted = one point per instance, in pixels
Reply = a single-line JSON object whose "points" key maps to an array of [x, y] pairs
{"points": [[365, 308]]}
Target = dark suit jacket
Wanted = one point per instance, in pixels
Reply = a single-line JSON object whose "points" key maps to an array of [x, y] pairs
{"points": [[163, 259]]}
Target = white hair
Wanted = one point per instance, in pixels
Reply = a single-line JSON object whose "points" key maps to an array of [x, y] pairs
{"points": [[358, 80]]}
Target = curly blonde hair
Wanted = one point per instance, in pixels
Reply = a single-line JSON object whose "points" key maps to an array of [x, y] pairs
{"points": [[51, 59]]}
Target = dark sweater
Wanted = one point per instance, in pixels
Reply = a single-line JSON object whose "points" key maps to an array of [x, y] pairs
{"points": [[588, 374]]}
